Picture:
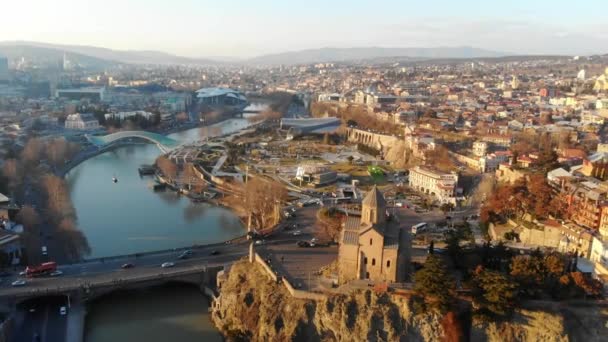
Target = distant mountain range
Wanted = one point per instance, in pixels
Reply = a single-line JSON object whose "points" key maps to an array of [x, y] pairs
{"points": [[368, 53], [102, 56]]}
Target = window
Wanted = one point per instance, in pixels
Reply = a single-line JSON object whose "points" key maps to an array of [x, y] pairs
{"points": [[370, 241], [388, 264], [373, 261], [365, 260], [366, 275]]}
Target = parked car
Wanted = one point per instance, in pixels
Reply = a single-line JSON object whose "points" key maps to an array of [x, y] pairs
{"points": [[56, 273], [167, 264], [297, 233], [19, 282], [63, 311], [127, 265], [259, 242], [215, 252]]}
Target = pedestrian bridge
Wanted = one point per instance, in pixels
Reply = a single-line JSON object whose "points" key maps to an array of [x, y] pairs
{"points": [[163, 142]]}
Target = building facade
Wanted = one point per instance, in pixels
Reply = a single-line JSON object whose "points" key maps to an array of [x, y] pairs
{"points": [[82, 122], [441, 185]]}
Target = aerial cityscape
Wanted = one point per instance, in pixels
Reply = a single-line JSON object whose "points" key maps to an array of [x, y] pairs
{"points": [[331, 171]]}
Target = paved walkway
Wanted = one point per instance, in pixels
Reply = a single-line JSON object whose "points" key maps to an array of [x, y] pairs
{"points": [[75, 328]]}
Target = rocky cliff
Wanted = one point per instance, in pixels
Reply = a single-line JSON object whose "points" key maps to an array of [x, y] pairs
{"points": [[254, 308]]}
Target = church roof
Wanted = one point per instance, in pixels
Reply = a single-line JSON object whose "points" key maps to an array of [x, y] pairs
{"points": [[374, 199]]}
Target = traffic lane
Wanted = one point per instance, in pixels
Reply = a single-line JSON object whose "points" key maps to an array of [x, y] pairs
{"points": [[41, 284], [56, 327], [146, 260], [32, 323]]}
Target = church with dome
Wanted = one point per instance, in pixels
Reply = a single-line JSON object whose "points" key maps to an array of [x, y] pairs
{"points": [[373, 247]]}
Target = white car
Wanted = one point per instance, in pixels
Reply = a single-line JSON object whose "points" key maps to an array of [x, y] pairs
{"points": [[259, 242], [63, 311], [19, 282], [167, 264], [56, 273], [297, 233]]}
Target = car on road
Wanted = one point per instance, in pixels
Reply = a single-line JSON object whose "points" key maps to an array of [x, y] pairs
{"points": [[303, 244], [167, 264], [297, 232], [215, 252], [127, 265], [259, 242], [183, 256], [22, 273], [63, 311], [56, 273], [19, 282]]}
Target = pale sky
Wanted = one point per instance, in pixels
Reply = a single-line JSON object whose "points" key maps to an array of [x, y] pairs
{"points": [[242, 28]]}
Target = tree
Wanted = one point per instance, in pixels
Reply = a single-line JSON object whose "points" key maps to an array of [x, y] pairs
{"points": [[435, 284], [493, 292], [12, 171], [167, 167], [330, 223], [32, 152], [28, 217], [530, 272], [445, 207], [58, 202], [590, 286], [260, 199]]}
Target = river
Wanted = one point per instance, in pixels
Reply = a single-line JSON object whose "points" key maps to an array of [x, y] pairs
{"points": [[168, 313], [128, 217]]}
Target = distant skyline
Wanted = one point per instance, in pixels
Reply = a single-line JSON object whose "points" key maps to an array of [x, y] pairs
{"points": [[200, 28]]}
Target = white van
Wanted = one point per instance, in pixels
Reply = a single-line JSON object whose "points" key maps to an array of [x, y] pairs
{"points": [[420, 227]]}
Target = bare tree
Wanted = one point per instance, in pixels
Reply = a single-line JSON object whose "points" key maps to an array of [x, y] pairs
{"points": [[12, 170], [167, 167], [58, 201], [261, 200], [28, 217], [32, 151], [57, 151]]}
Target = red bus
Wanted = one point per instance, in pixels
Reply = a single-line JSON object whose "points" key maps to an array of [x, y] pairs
{"points": [[45, 268]]}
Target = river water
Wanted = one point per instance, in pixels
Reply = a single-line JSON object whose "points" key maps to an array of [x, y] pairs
{"points": [[129, 217], [170, 313]]}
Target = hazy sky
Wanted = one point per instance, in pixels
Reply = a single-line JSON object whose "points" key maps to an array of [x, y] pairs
{"points": [[249, 27]]}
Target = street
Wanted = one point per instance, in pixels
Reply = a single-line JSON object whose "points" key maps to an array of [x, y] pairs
{"points": [[41, 318]]}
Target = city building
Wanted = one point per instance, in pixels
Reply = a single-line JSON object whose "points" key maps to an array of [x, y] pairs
{"points": [[443, 186], [220, 97], [82, 122], [596, 165], [92, 94], [370, 246]]}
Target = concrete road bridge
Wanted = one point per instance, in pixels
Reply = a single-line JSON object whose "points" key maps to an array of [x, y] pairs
{"points": [[91, 278], [163, 142]]}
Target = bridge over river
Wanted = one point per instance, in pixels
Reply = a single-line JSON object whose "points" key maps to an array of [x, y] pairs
{"points": [[99, 276], [163, 142]]}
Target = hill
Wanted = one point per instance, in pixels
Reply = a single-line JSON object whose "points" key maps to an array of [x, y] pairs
{"points": [[368, 53], [122, 56]]}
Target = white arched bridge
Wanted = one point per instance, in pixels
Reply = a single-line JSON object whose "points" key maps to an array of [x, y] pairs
{"points": [[163, 142]]}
